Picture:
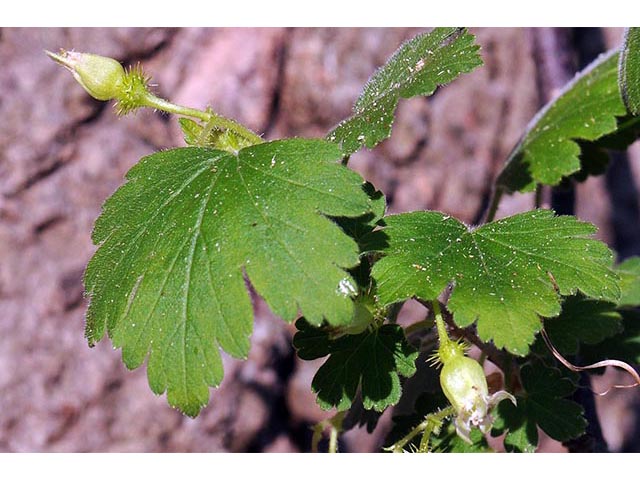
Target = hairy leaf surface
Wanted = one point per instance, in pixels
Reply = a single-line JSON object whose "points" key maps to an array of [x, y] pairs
{"points": [[587, 109], [417, 68], [372, 360], [629, 70], [176, 241], [505, 273]]}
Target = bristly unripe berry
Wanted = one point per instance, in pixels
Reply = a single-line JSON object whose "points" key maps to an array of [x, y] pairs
{"points": [[465, 385], [101, 77]]}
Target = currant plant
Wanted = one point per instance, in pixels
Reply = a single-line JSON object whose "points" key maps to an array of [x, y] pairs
{"points": [[180, 239]]}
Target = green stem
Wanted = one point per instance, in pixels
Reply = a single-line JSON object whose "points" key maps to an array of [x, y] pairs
{"points": [[440, 325], [333, 440], [215, 120], [334, 424], [431, 423], [400, 444]]}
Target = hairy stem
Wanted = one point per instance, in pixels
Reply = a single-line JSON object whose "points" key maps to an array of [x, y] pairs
{"points": [[334, 424], [211, 118], [497, 357], [443, 336], [431, 423]]}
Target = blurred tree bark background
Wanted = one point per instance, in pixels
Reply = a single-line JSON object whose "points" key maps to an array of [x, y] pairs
{"points": [[62, 154]]}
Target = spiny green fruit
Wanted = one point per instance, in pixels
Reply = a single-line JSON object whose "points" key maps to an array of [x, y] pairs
{"points": [[465, 385]]}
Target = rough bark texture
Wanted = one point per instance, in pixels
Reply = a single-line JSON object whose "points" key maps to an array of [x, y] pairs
{"points": [[62, 154]]}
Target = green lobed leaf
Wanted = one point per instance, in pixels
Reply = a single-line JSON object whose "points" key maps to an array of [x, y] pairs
{"points": [[522, 431], [176, 241], [587, 109], [543, 405], [418, 67], [371, 360], [505, 273], [582, 320], [629, 70], [629, 272], [625, 346]]}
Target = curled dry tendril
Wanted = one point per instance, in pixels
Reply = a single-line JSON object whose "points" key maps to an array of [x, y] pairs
{"points": [[604, 363]]}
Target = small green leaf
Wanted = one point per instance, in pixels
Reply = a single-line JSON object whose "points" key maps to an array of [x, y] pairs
{"points": [[372, 360], [543, 405], [505, 273], [191, 131], [629, 70], [546, 388], [417, 68], [629, 272], [177, 240], [587, 109], [198, 135], [582, 320]]}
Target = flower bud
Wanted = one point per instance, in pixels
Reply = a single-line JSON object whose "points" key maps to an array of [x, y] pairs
{"points": [[101, 77]]}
